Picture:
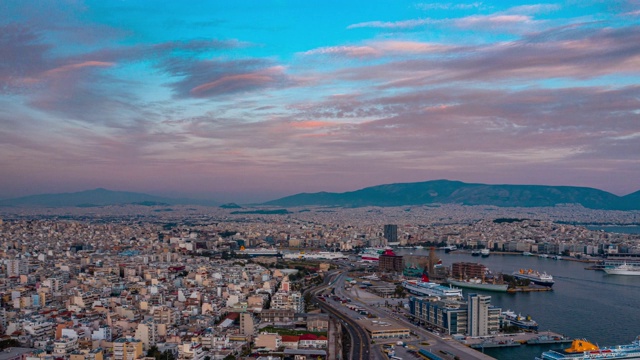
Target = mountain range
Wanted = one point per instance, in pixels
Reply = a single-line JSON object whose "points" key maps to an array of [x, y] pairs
{"points": [[457, 192], [100, 197], [400, 194]]}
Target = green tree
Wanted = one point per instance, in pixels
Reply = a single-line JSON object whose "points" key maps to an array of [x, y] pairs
{"points": [[167, 355], [9, 343], [154, 352]]}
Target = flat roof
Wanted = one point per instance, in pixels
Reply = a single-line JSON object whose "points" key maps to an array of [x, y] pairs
{"points": [[372, 325], [12, 352]]}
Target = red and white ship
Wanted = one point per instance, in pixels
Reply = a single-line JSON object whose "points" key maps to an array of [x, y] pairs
{"points": [[372, 254]]}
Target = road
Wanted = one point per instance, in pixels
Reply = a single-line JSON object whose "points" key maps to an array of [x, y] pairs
{"points": [[436, 344], [360, 344]]}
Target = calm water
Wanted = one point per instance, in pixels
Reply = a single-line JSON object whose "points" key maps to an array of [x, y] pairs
{"points": [[617, 229], [602, 308]]}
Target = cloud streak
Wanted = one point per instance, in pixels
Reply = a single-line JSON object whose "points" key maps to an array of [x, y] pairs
{"points": [[471, 91]]}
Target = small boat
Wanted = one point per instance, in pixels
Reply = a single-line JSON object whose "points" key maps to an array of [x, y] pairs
{"points": [[520, 321], [485, 252]]}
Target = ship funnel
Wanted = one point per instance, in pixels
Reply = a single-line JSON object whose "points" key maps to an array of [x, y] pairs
{"points": [[425, 275]]}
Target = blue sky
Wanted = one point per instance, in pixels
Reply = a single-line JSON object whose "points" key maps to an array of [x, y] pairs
{"points": [[248, 101]]}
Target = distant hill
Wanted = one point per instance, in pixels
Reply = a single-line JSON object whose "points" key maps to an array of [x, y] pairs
{"points": [[632, 200], [100, 197], [457, 192], [230, 206]]}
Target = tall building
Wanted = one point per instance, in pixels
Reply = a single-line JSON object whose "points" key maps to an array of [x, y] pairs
{"points": [[391, 233], [390, 262], [147, 332], [17, 267], [127, 349], [246, 324], [483, 318], [164, 315], [449, 316], [464, 270]]}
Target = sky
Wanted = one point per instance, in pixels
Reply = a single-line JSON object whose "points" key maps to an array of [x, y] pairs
{"points": [[253, 100]]}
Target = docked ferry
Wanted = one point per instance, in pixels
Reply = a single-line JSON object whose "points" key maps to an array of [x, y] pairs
{"points": [[424, 287], [372, 254], [522, 322], [535, 277], [624, 269], [584, 350], [479, 284]]}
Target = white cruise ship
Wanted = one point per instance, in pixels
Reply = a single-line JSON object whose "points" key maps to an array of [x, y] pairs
{"points": [[424, 287], [624, 269]]}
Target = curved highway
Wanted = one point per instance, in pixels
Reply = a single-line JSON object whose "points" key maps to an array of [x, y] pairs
{"points": [[359, 340], [437, 343]]}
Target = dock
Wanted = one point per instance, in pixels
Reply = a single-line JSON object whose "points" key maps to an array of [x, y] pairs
{"points": [[514, 340]]}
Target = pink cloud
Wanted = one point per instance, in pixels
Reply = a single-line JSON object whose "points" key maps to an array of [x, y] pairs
{"points": [[404, 24], [232, 83], [311, 124], [448, 6], [492, 21], [377, 49], [349, 51], [79, 66], [410, 47]]}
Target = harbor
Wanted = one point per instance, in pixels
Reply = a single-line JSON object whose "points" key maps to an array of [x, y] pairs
{"points": [[556, 310]]}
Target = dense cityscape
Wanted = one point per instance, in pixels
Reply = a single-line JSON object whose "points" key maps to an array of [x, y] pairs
{"points": [[319, 180], [125, 282]]}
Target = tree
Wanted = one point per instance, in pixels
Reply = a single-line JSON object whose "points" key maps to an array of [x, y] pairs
{"points": [[9, 343], [399, 292], [167, 355], [154, 352]]}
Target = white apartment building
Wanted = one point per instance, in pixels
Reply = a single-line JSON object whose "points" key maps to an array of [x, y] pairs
{"points": [[64, 346]]}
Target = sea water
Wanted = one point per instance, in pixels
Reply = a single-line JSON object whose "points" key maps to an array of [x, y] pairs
{"points": [[604, 309]]}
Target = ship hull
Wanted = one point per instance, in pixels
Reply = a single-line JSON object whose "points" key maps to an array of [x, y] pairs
{"points": [[535, 280], [622, 272], [631, 351], [479, 286], [432, 290]]}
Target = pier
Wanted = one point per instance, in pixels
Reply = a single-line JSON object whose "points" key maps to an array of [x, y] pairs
{"points": [[511, 340]]}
